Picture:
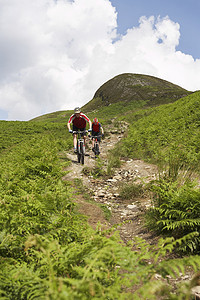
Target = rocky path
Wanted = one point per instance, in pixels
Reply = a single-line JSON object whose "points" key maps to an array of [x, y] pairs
{"points": [[106, 191]]}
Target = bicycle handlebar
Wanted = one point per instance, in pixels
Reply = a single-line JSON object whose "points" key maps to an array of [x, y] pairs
{"points": [[96, 136], [79, 131]]}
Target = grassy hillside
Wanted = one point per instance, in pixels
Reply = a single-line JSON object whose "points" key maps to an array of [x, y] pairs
{"points": [[139, 90], [16, 132], [165, 131], [48, 251], [55, 117]]}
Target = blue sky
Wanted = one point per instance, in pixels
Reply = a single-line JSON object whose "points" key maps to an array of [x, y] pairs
{"points": [[185, 12], [57, 53]]}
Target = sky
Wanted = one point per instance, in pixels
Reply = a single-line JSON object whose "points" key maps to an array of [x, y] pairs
{"points": [[55, 54]]}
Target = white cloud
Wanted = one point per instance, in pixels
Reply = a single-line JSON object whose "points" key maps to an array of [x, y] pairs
{"points": [[55, 54]]}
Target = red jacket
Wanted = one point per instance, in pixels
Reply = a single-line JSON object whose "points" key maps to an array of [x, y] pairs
{"points": [[79, 122], [96, 127]]}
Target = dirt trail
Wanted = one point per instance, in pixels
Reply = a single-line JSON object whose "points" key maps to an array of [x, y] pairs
{"points": [[105, 191]]}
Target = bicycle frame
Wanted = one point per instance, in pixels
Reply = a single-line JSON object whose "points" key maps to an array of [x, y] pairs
{"points": [[96, 144], [80, 145]]}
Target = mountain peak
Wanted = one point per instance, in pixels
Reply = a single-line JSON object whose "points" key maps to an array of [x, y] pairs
{"points": [[129, 87]]}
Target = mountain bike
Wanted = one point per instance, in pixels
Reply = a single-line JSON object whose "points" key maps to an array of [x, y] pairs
{"points": [[80, 146], [96, 144]]}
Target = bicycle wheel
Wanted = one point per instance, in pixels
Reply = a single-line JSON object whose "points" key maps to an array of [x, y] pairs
{"points": [[78, 151], [97, 149], [82, 159], [82, 153]]}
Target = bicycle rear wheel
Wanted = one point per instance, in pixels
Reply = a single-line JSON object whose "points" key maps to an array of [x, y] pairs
{"points": [[97, 149]]}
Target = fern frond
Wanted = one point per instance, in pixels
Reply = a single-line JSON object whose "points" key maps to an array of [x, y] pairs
{"points": [[185, 223], [176, 267], [152, 290]]}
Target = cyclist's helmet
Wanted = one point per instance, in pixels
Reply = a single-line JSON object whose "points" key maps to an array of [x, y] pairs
{"points": [[77, 110], [95, 120]]}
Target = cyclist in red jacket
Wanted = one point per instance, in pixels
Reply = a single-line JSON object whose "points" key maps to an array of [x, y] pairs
{"points": [[97, 129], [79, 121]]}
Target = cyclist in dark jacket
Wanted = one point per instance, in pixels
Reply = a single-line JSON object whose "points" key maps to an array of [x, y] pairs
{"points": [[79, 121], [97, 130]]}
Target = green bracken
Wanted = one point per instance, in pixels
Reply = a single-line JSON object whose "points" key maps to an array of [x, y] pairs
{"points": [[48, 251]]}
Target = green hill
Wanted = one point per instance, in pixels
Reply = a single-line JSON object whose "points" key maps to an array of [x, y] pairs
{"points": [[137, 88]]}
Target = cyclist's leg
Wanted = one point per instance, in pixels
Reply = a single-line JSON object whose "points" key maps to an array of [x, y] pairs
{"points": [[93, 139], [92, 143], [99, 140], [75, 138]]}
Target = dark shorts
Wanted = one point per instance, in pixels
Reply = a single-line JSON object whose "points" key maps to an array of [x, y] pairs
{"points": [[81, 129], [94, 133]]}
